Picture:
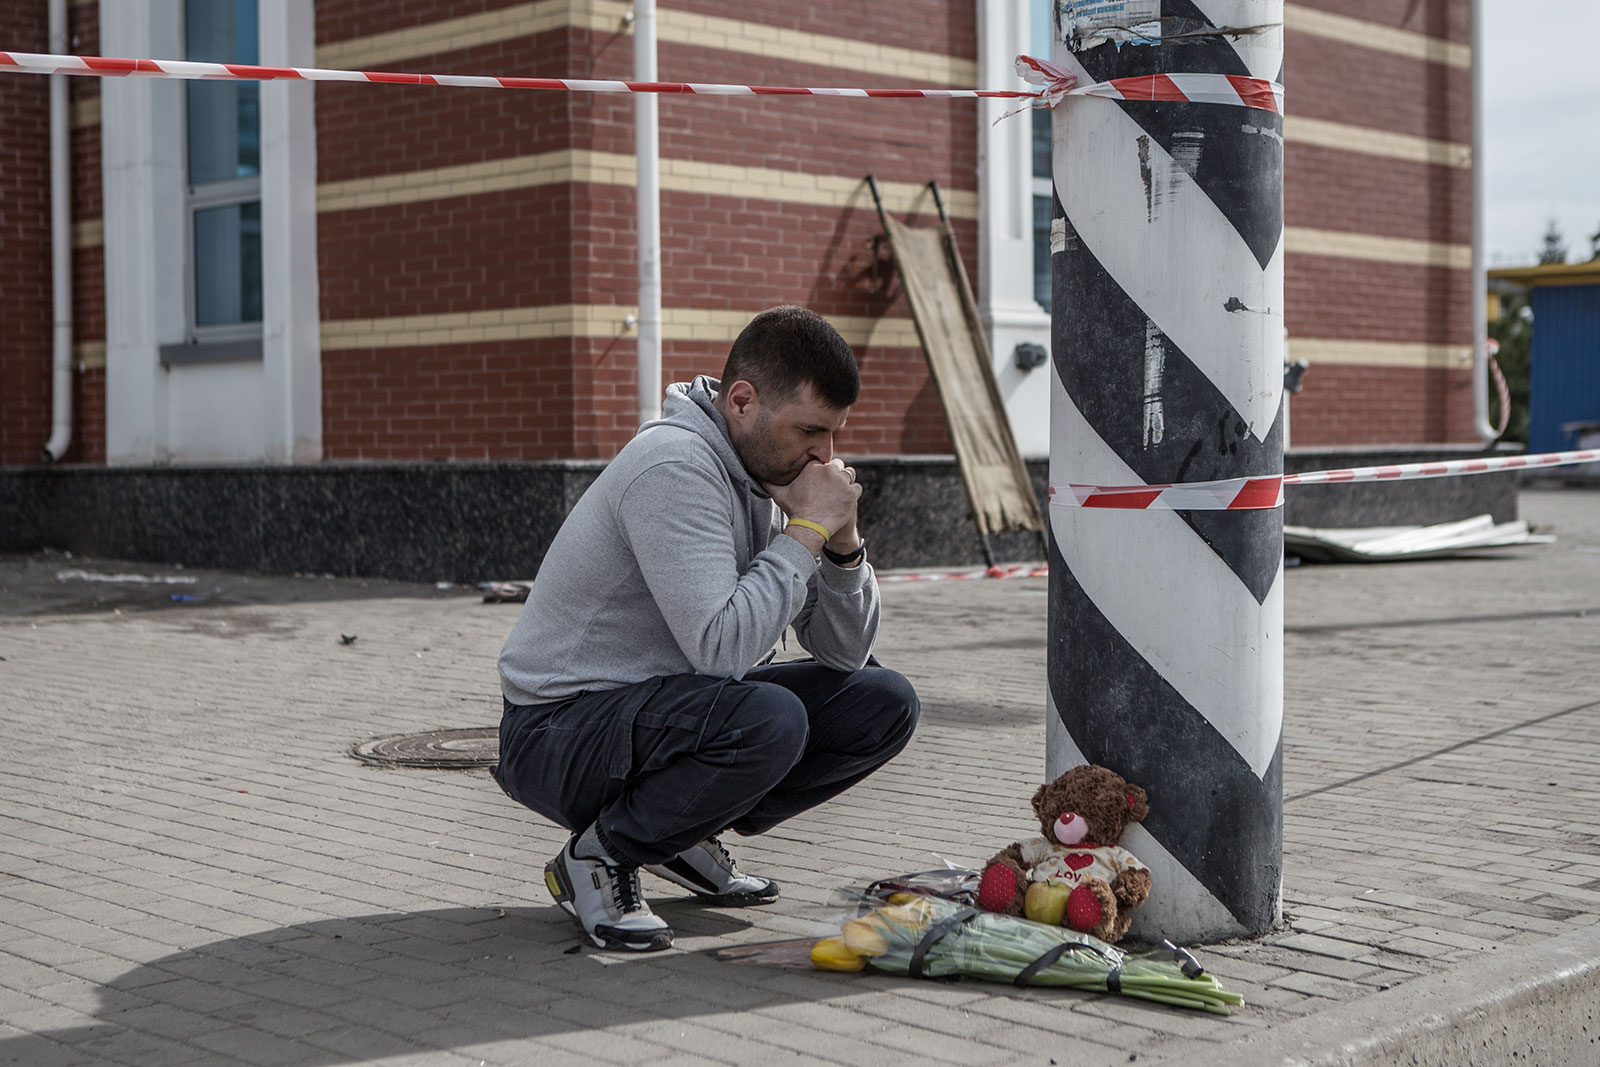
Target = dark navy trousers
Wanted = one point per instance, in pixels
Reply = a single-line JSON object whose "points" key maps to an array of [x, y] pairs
{"points": [[665, 763]]}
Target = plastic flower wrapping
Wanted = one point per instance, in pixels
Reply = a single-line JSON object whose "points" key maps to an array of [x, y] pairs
{"points": [[926, 926]]}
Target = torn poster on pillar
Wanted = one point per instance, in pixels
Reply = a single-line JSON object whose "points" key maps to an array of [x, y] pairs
{"points": [[1084, 24], [1062, 235]]}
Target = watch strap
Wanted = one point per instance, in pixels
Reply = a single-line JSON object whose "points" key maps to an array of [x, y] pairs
{"points": [[844, 559]]}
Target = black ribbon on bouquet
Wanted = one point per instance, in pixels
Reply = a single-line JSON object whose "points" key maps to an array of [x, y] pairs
{"points": [[935, 932]]}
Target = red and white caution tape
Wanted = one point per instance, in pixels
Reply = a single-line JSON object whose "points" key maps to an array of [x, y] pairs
{"points": [[1409, 471], [1195, 88], [1502, 391], [1229, 494], [102, 66], [1057, 83], [1015, 570], [1250, 494]]}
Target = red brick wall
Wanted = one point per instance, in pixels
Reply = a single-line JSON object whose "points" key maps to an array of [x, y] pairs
{"points": [[88, 264], [26, 297], [1328, 79], [575, 243], [925, 25], [489, 401], [1331, 299], [746, 254], [89, 404], [495, 400], [1449, 19], [341, 20], [366, 130], [1345, 404], [25, 307], [1329, 189], [468, 253]]}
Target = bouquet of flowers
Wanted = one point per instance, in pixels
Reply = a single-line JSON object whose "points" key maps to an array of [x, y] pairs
{"points": [[937, 936]]}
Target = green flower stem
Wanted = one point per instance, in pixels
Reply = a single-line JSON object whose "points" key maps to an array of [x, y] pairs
{"points": [[998, 948]]}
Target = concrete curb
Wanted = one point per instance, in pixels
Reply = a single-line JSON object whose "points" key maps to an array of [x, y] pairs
{"points": [[1539, 1005]]}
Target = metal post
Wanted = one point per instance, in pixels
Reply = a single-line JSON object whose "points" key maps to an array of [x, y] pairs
{"points": [[647, 151], [1166, 628], [60, 246], [1480, 298]]}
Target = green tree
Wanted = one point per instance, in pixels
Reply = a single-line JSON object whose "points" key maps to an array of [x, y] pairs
{"points": [[1594, 245], [1555, 246]]}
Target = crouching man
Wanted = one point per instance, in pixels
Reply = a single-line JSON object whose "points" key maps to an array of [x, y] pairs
{"points": [[635, 714]]}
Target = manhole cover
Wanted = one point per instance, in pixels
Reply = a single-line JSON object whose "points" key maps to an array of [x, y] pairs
{"points": [[478, 747]]}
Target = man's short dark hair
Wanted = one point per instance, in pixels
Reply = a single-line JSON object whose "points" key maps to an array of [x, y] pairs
{"points": [[784, 348]]}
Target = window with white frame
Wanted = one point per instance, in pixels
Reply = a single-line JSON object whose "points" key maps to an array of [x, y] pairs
{"points": [[223, 142]]}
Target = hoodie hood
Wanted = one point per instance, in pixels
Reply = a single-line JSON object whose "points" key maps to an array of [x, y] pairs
{"points": [[688, 406]]}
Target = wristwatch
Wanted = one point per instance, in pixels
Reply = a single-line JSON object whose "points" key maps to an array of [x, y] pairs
{"points": [[844, 559]]}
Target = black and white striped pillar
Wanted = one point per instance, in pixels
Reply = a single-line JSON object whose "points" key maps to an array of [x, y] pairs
{"points": [[1166, 627]]}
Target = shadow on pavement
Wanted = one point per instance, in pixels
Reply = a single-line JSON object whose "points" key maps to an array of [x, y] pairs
{"points": [[348, 990], [50, 583]]}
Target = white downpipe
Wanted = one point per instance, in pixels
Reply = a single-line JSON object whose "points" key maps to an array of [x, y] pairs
{"points": [[647, 147], [60, 248], [1480, 300]]}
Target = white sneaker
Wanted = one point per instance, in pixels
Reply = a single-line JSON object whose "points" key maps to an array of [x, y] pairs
{"points": [[711, 874], [604, 897]]}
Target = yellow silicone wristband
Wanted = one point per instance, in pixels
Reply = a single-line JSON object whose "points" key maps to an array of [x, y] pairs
{"points": [[817, 526]]}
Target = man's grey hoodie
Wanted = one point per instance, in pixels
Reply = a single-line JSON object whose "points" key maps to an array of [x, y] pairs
{"points": [[674, 562]]}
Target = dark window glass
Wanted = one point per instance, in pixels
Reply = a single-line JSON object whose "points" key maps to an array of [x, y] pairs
{"points": [[224, 117], [227, 264], [1041, 250], [224, 144], [1041, 142]]}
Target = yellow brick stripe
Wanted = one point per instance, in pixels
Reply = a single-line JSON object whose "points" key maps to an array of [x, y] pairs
{"points": [[692, 324], [85, 111], [1372, 142], [792, 187], [518, 172], [607, 168], [677, 27], [610, 168], [580, 320], [448, 35], [845, 53], [1380, 353], [90, 355], [1303, 240], [89, 233], [1298, 18]]}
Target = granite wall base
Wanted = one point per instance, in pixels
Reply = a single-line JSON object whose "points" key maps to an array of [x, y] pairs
{"points": [[409, 522], [475, 522]]}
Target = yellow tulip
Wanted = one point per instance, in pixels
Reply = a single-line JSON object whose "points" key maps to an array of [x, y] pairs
{"points": [[832, 954], [865, 936], [911, 915]]}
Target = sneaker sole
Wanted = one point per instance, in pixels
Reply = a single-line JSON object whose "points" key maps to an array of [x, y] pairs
{"points": [[740, 900], [654, 941], [716, 900]]}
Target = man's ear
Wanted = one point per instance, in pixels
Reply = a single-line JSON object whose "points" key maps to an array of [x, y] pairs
{"points": [[742, 400]]}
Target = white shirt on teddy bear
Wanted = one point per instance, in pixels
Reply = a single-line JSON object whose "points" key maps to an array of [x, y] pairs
{"points": [[1048, 861]]}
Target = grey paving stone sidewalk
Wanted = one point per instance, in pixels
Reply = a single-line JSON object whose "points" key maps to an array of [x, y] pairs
{"points": [[193, 871]]}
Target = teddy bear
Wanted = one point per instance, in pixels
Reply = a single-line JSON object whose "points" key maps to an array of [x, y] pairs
{"points": [[1077, 863]]}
